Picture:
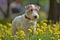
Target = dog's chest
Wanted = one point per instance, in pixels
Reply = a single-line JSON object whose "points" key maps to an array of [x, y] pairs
{"points": [[23, 24], [26, 23]]}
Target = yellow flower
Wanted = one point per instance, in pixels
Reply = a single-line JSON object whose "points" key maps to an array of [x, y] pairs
{"points": [[37, 25], [12, 36], [50, 31], [54, 25], [24, 39], [30, 30], [8, 31], [1, 35], [5, 27], [49, 26], [31, 27], [39, 30], [52, 37], [44, 24], [36, 33], [1, 25], [39, 39], [57, 24], [2, 29], [0, 38], [44, 27], [55, 29], [15, 36], [58, 32], [22, 33], [58, 39], [17, 32], [45, 20], [58, 36], [43, 32], [9, 24]]}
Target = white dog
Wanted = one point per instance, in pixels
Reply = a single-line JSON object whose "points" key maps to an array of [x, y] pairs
{"points": [[24, 21]]}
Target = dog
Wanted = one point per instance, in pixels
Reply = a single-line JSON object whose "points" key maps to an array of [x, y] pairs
{"points": [[24, 21]]}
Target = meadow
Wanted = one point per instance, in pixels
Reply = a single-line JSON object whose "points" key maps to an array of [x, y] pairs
{"points": [[44, 31]]}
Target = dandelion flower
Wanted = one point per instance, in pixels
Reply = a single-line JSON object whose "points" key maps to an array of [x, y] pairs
{"points": [[44, 24], [8, 32], [58, 32], [31, 27], [36, 33], [1, 25], [12, 36], [39, 30], [39, 39], [0, 38], [30, 30], [22, 33], [52, 37], [10, 24], [50, 31], [37, 25], [58, 39], [54, 25], [5, 27]]}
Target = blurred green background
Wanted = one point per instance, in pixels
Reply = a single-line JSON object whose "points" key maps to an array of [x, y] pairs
{"points": [[49, 9]]}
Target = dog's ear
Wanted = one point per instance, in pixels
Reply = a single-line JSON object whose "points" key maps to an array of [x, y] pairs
{"points": [[37, 7], [28, 6]]}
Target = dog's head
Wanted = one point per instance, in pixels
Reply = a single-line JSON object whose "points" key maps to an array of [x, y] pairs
{"points": [[32, 11]]}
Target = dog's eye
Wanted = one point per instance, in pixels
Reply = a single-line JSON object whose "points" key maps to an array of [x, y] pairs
{"points": [[31, 10]]}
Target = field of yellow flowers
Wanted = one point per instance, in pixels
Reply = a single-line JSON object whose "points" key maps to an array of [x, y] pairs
{"points": [[44, 31]]}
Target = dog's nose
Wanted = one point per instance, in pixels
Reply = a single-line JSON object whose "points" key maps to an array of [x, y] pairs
{"points": [[35, 16]]}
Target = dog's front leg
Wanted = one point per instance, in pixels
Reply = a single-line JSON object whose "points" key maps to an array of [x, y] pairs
{"points": [[13, 29], [34, 27]]}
